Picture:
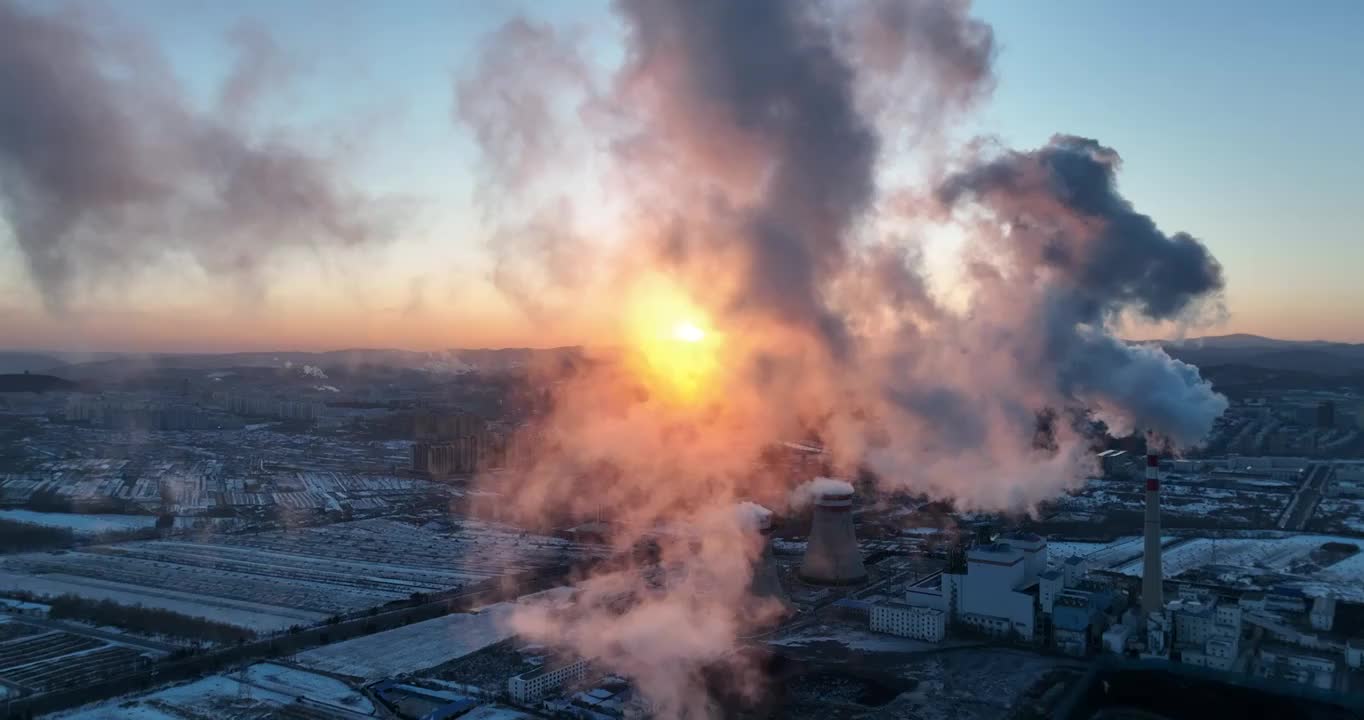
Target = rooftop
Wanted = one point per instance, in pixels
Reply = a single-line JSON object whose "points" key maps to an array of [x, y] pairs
{"points": [[995, 552]]}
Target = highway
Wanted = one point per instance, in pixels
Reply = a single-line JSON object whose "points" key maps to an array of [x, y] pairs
{"points": [[1305, 500]]}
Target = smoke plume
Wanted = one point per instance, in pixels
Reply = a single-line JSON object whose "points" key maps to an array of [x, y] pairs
{"points": [[742, 145], [105, 167]]}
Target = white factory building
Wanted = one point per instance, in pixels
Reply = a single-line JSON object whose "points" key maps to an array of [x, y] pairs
{"points": [[994, 593], [920, 623]]}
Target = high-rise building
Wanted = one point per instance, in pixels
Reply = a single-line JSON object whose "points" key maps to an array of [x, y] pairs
{"points": [[1326, 414]]}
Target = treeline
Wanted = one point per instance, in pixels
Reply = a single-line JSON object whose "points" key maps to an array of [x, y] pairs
{"points": [[145, 620], [18, 536]]}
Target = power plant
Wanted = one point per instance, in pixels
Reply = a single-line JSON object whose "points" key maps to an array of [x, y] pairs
{"points": [[831, 555], [1152, 579]]}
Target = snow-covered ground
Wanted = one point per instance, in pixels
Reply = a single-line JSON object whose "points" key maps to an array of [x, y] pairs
{"points": [[857, 639], [315, 687], [261, 618], [412, 648], [1266, 553], [81, 524], [220, 696], [496, 712]]}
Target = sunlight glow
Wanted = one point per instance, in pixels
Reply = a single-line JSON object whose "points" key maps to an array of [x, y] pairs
{"points": [[688, 332], [676, 352]]}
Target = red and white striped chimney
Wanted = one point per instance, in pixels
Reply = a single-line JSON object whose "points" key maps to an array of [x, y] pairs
{"points": [[1152, 577]]}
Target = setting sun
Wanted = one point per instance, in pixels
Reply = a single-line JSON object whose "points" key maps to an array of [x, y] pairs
{"points": [[675, 348], [688, 332]]}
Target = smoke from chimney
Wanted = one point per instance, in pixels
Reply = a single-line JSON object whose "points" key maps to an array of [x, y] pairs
{"points": [[737, 152], [106, 167]]}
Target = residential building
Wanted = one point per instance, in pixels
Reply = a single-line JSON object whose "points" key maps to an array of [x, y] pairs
{"points": [[531, 687], [920, 623]]}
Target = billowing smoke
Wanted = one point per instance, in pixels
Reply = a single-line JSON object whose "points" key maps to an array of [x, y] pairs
{"points": [[105, 167], [742, 147], [1059, 224]]}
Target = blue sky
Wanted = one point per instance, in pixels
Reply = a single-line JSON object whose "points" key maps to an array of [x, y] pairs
{"points": [[1237, 122]]}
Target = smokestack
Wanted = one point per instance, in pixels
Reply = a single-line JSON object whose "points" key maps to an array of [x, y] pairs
{"points": [[831, 556], [1152, 579]]}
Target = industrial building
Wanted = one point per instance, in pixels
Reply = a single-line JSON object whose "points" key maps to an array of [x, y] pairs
{"points": [[995, 590], [1309, 667], [1080, 616], [831, 554]]}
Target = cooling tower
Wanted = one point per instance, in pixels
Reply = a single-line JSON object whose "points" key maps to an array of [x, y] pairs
{"points": [[766, 581], [831, 556], [1152, 578]]}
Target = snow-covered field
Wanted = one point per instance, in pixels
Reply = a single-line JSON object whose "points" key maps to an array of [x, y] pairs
{"points": [[1265, 552], [413, 648], [857, 639], [272, 580], [496, 712], [318, 688], [268, 686], [81, 524], [261, 618]]}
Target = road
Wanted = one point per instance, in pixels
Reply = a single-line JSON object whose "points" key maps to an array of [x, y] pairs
{"points": [[1305, 500], [78, 629]]}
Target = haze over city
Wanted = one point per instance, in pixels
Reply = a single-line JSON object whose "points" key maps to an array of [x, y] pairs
{"points": [[680, 360]]}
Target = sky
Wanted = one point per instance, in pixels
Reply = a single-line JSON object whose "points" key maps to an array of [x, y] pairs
{"points": [[1239, 127]]}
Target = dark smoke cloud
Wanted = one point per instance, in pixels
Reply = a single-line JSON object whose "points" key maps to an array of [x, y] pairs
{"points": [[104, 167], [1067, 229], [769, 74], [1065, 215]]}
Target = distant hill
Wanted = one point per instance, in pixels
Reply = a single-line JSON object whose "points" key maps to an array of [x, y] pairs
{"points": [[1252, 351], [18, 362], [107, 367], [34, 383]]}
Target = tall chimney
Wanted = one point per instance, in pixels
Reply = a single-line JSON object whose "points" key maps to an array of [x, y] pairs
{"points": [[1152, 577]]}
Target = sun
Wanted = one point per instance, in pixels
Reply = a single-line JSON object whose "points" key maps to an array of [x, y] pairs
{"points": [[688, 332], [675, 348]]}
